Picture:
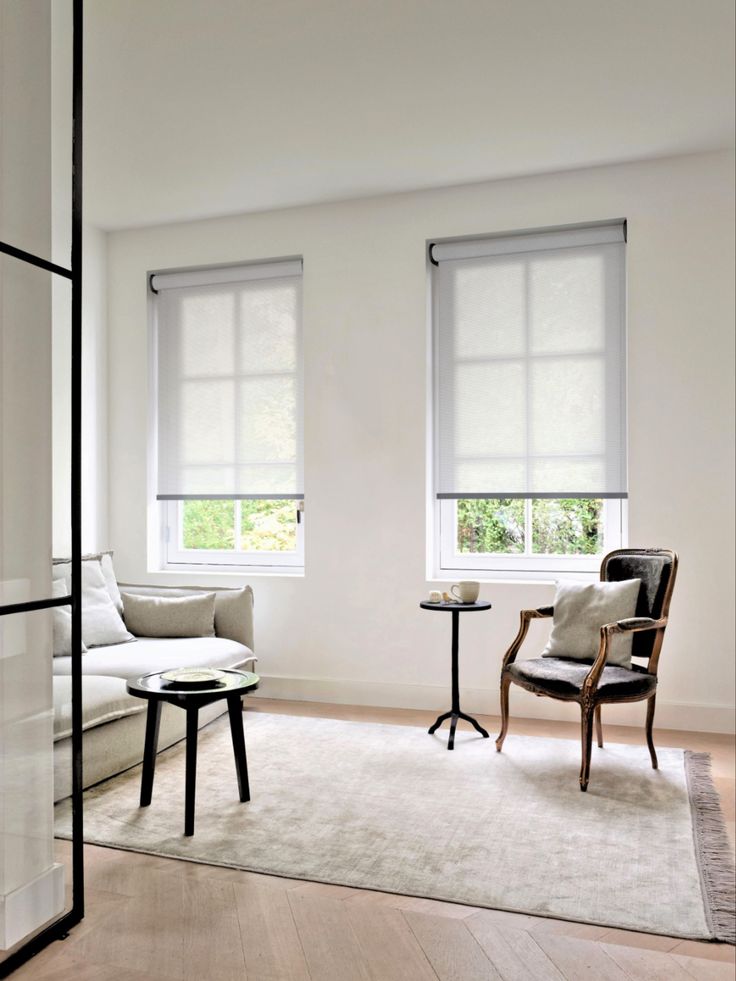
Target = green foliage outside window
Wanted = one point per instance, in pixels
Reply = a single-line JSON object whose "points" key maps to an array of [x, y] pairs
{"points": [[265, 526], [268, 526], [490, 526], [567, 527], [559, 527], [209, 524]]}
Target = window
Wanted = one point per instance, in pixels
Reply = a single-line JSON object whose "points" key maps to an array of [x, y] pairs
{"points": [[529, 399], [229, 415]]}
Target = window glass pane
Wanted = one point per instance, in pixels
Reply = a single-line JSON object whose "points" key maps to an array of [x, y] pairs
{"points": [[489, 410], [208, 524], [492, 526], [567, 398], [36, 117], [28, 302], [567, 527], [267, 321], [567, 302], [268, 526], [489, 307]]}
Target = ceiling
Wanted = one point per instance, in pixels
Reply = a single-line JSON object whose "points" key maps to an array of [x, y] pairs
{"points": [[197, 108]]}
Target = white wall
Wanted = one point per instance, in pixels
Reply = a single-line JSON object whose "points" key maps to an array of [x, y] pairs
{"points": [[351, 629]]}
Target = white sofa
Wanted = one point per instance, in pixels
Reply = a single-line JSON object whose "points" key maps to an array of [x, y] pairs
{"points": [[114, 722]]}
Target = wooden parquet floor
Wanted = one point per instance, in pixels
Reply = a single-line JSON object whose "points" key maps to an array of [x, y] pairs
{"points": [[153, 918]]}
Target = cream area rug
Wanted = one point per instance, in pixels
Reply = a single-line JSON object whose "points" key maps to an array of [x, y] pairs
{"points": [[389, 808]]}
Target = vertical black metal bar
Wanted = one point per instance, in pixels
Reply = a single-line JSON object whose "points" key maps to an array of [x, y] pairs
{"points": [[60, 927], [76, 465], [455, 670]]}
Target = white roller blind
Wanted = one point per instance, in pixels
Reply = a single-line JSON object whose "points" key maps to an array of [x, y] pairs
{"points": [[229, 371], [530, 365]]}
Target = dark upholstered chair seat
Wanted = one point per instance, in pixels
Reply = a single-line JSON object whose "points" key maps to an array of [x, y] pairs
{"points": [[561, 676]]}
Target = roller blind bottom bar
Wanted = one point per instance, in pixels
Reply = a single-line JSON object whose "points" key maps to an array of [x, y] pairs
{"points": [[229, 497], [532, 496]]}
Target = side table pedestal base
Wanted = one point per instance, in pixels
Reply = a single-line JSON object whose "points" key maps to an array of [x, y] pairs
{"points": [[454, 716]]}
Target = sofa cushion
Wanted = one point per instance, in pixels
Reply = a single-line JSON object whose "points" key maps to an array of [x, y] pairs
{"points": [[62, 622], [103, 699], [233, 607], [102, 625], [234, 614], [159, 654], [108, 571], [170, 616], [558, 676], [62, 570]]}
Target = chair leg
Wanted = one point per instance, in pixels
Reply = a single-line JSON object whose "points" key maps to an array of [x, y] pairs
{"points": [[599, 726], [505, 685], [586, 734], [650, 722]]}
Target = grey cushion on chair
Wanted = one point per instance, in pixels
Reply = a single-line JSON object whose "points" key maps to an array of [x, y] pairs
{"points": [[559, 676]]}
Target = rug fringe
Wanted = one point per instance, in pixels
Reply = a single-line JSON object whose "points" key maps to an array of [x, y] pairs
{"points": [[712, 847]]}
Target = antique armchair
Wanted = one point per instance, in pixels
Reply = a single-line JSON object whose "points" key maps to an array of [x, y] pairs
{"points": [[594, 684]]}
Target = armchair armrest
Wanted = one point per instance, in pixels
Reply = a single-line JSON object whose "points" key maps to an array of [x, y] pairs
{"points": [[635, 625], [526, 616], [608, 630], [542, 611]]}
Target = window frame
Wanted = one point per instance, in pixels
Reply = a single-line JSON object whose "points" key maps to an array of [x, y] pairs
{"points": [[164, 546], [177, 557], [443, 561], [526, 564]]}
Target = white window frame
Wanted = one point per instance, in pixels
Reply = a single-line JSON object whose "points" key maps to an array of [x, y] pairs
{"points": [[449, 561], [176, 557], [445, 562]]}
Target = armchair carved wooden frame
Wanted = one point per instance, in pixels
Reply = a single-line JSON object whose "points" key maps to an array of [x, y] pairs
{"points": [[594, 684]]}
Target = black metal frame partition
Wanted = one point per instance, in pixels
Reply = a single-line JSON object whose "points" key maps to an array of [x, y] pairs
{"points": [[60, 927]]}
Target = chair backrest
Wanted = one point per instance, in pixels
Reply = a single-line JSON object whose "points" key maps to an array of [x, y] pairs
{"points": [[657, 569]]}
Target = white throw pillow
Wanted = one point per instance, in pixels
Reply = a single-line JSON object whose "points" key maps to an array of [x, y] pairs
{"points": [[102, 625], [580, 612], [62, 621], [111, 580], [62, 568]]}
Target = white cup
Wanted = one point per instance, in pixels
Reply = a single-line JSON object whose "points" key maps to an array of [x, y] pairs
{"points": [[467, 591], [435, 596]]}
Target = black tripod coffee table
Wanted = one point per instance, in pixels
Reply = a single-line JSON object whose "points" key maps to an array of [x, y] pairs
{"points": [[233, 685], [455, 713]]}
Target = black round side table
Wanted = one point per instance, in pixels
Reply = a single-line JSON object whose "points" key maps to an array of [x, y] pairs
{"points": [[156, 690], [455, 712]]}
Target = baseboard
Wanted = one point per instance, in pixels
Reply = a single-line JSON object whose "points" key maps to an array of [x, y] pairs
{"points": [[670, 715], [31, 905]]}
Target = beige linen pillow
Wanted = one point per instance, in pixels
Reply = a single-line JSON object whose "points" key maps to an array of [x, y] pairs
{"points": [[581, 610], [170, 616]]}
